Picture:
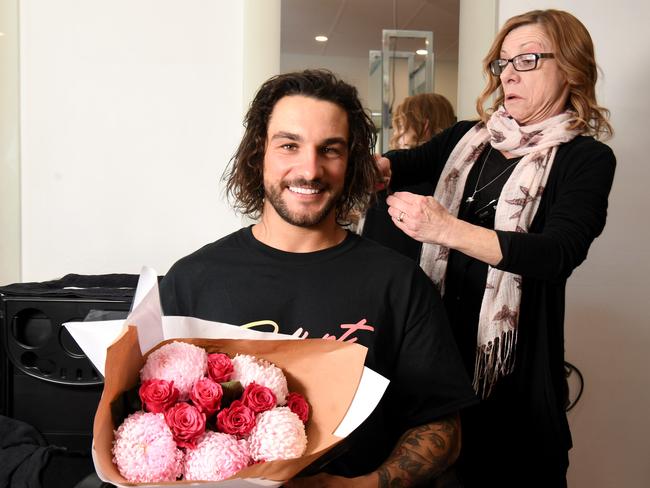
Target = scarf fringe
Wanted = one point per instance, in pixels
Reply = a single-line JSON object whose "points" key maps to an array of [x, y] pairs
{"points": [[494, 360]]}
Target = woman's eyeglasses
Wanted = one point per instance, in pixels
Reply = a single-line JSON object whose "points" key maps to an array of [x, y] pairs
{"points": [[521, 62]]}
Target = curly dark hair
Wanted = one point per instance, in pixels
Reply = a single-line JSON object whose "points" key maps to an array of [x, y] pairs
{"points": [[244, 175]]}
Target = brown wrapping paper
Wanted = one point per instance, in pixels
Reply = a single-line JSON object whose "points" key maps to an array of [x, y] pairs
{"points": [[326, 372]]}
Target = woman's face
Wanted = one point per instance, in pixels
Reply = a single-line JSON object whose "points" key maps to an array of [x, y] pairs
{"points": [[532, 96]]}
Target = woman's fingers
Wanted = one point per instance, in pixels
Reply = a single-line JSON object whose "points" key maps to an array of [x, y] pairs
{"points": [[418, 216], [384, 168], [402, 204]]}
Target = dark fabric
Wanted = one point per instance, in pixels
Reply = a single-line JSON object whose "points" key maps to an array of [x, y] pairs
{"points": [[77, 286], [23, 454], [465, 280], [379, 226], [357, 290], [522, 427], [67, 469]]}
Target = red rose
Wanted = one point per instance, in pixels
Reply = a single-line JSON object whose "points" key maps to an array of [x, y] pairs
{"points": [[298, 405], [206, 395], [219, 367], [237, 420], [186, 422], [158, 395], [258, 398]]}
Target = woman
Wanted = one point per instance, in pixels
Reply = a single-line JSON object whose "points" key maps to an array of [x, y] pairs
{"points": [[519, 198], [418, 118], [415, 121]]}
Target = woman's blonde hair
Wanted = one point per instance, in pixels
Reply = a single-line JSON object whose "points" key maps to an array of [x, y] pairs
{"points": [[426, 113], [574, 53]]}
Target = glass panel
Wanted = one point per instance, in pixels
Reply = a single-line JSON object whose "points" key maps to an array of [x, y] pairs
{"points": [[404, 73]]}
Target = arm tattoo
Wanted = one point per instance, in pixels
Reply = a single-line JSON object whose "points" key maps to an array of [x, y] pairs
{"points": [[421, 454]]}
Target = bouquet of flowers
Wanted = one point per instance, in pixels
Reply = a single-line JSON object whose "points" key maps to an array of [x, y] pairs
{"points": [[327, 373], [194, 420], [206, 416]]}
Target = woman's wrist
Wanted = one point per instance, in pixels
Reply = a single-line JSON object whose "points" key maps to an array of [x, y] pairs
{"points": [[473, 240], [452, 237]]}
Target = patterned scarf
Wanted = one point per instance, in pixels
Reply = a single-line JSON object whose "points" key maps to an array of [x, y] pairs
{"points": [[517, 205]]}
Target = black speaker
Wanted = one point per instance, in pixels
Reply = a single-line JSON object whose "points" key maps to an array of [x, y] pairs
{"points": [[48, 382], [46, 379]]}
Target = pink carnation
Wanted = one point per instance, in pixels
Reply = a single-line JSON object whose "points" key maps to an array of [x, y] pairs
{"points": [[144, 449], [278, 434], [249, 369], [217, 456], [179, 362]]}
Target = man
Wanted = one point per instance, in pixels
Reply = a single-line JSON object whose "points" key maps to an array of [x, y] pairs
{"points": [[304, 163]]}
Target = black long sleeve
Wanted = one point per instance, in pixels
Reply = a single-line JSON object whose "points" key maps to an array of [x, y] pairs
{"points": [[424, 163], [572, 214]]}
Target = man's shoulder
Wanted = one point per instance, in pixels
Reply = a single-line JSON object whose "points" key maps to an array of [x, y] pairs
{"points": [[372, 253], [212, 252]]}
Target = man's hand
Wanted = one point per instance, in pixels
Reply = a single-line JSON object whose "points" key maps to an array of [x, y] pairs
{"points": [[422, 454], [324, 480]]}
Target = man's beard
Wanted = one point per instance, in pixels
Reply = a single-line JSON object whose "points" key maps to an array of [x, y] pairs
{"points": [[273, 195]]}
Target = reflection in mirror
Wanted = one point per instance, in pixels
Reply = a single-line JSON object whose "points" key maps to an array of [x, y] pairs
{"points": [[412, 69], [354, 29]]}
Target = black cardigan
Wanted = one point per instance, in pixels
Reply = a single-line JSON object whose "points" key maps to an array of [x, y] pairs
{"points": [[571, 214]]}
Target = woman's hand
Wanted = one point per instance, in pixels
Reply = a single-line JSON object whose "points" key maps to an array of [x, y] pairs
{"points": [[425, 220], [420, 217], [384, 168]]}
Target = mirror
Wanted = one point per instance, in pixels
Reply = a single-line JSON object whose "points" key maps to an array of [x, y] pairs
{"points": [[410, 71], [355, 31]]}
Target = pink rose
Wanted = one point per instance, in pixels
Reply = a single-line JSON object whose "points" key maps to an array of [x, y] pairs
{"points": [[258, 398], [219, 367], [206, 395], [158, 395], [298, 405], [186, 422], [237, 420]]}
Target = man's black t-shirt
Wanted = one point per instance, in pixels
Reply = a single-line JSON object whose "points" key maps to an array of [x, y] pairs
{"points": [[355, 291]]}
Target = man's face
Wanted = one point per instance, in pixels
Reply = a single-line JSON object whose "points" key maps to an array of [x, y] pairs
{"points": [[305, 160]]}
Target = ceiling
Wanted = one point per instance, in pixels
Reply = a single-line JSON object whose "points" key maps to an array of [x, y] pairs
{"points": [[355, 26]]}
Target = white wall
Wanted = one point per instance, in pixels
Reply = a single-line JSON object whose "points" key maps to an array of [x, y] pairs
{"points": [[607, 317], [445, 81], [9, 145], [262, 24], [129, 113], [477, 26]]}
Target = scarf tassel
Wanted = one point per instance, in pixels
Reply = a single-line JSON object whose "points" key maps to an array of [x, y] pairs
{"points": [[494, 360]]}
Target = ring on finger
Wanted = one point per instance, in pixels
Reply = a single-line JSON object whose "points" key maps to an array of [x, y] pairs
{"points": [[401, 217]]}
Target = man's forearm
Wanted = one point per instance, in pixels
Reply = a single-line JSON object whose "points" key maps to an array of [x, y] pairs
{"points": [[421, 454]]}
